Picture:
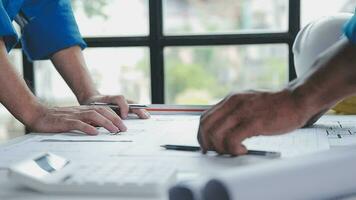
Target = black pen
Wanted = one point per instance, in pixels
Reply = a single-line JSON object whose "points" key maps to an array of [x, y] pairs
{"points": [[273, 154], [115, 106], [181, 147]]}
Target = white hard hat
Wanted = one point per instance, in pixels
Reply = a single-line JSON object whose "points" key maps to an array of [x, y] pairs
{"points": [[315, 38]]}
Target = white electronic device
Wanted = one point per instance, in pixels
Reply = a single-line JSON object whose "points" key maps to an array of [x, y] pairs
{"points": [[49, 173]]}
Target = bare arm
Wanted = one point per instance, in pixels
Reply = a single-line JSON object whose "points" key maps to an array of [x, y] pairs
{"points": [[19, 100], [71, 65], [333, 78], [14, 93], [240, 116]]}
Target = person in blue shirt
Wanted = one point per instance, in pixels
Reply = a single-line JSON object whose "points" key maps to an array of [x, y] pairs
{"points": [[329, 79], [49, 31]]}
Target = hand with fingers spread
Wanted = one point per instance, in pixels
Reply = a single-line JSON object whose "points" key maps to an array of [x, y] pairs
{"points": [[121, 102], [331, 79], [82, 118], [240, 116], [18, 99]]}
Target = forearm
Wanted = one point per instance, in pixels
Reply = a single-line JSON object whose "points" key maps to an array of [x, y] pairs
{"points": [[14, 93], [71, 65], [332, 79]]}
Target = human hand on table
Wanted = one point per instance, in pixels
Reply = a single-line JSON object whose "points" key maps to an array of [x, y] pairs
{"points": [[121, 102], [240, 116], [82, 118], [70, 63]]}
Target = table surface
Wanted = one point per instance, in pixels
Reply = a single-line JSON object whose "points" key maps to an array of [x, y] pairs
{"points": [[207, 164], [11, 191]]}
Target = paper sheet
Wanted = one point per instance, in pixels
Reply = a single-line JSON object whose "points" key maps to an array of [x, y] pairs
{"points": [[324, 175], [156, 125], [298, 142], [144, 137], [340, 129]]}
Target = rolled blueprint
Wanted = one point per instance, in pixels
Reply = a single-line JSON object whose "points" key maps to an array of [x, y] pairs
{"points": [[324, 175], [191, 190]]}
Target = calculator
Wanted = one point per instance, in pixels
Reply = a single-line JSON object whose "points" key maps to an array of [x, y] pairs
{"points": [[50, 173]]}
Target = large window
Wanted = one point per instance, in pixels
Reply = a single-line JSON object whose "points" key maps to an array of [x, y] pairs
{"points": [[181, 51]]}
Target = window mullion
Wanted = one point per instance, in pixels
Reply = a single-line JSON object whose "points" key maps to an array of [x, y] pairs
{"points": [[156, 51]]}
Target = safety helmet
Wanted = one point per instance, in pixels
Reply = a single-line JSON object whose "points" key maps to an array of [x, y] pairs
{"points": [[313, 40]]}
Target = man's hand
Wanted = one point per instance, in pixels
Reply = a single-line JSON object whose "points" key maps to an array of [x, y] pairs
{"points": [[82, 118], [71, 65], [240, 116], [332, 78], [121, 102]]}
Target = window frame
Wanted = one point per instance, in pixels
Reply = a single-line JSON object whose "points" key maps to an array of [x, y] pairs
{"points": [[156, 41]]}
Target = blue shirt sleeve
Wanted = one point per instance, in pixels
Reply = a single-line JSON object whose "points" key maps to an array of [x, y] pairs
{"points": [[350, 29], [7, 31], [51, 27]]}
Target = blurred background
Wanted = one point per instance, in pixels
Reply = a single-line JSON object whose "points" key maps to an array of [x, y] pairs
{"points": [[192, 74]]}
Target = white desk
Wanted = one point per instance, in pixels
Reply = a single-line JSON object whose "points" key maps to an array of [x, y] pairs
{"points": [[186, 163], [207, 164]]}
